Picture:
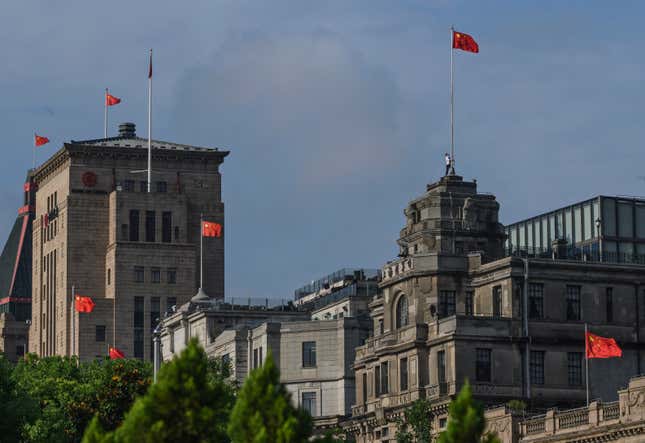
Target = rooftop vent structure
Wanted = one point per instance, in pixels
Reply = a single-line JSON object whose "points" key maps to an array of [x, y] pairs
{"points": [[127, 130]]}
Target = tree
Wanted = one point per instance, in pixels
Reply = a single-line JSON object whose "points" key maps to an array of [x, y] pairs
{"points": [[16, 408], [184, 405], [263, 411], [466, 422], [415, 425]]}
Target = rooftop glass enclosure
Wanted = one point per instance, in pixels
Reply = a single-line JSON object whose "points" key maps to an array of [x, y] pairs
{"points": [[600, 229]]}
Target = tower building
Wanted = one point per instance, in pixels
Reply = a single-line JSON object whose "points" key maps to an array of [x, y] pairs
{"points": [[99, 233]]}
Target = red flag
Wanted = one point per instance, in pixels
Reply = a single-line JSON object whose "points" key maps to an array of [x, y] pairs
{"points": [[464, 42], [211, 229], [601, 347], [84, 304], [39, 141], [111, 100], [115, 353]]}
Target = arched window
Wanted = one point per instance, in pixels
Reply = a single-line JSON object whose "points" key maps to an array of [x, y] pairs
{"points": [[402, 312]]}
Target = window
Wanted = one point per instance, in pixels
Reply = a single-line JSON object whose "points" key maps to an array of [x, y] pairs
{"points": [[309, 354], [380, 326], [155, 307], [128, 186], [226, 361], [172, 276], [497, 301], [574, 365], [143, 186], [403, 374], [257, 357], [162, 187], [134, 225], [385, 384], [536, 300], [468, 303], [364, 387], [573, 302], [166, 226], [609, 304], [124, 232], [377, 380], [170, 303], [176, 233], [109, 276], [402, 312], [309, 402], [138, 327], [138, 274], [155, 275], [20, 351], [99, 334], [150, 226], [446, 303], [483, 365], [536, 367], [441, 370]]}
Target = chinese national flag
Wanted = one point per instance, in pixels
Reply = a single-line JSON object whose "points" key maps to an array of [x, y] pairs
{"points": [[464, 42], [39, 140], [111, 100], [83, 304], [211, 229], [115, 353], [601, 347]]}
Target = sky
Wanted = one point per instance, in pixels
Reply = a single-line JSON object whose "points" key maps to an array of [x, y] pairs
{"points": [[336, 112]]}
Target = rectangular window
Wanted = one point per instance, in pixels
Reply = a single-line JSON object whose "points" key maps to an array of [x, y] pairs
{"points": [[403, 374], [138, 274], [380, 326], [162, 187], [128, 186], [172, 276], [574, 365], [143, 186], [483, 365], [255, 358], [536, 300], [134, 225], [385, 383], [441, 366], [468, 303], [573, 302], [309, 402], [536, 367], [171, 302], [364, 387], [125, 233], [609, 304], [260, 353], [377, 380], [309, 354], [99, 334], [155, 308], [446, 303], [166, 226], [155, 275], [138, 326], [150, 226], [497, 301]]}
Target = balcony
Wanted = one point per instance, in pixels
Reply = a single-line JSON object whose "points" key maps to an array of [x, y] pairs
{"points": [[407, 334]]}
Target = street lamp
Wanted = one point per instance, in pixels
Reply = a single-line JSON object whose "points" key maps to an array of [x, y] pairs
{"points": [[598, 234], [156, 340]]}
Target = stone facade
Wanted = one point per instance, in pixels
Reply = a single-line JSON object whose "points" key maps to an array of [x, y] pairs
{"points": [[13, 337], [134, 253], [452, 307]]}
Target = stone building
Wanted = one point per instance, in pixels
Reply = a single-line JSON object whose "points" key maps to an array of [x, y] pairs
{"points": [[454, 306], [135, 253], [13, 336]]}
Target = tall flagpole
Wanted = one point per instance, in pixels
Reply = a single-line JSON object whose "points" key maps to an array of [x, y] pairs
{"points": [[586, 364], [106, 112], [149, 121], [452, 104], [201, 251], [34, 164], [73, 332]]}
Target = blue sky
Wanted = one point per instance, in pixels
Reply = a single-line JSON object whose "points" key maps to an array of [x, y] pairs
{"points": [[336, 112]]}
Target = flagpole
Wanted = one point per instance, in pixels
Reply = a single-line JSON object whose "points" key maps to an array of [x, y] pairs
{"points": [[149, 120], [73, 328], [34, 165], [201, 251], [452, 104], [586, 363], [106, 114]]}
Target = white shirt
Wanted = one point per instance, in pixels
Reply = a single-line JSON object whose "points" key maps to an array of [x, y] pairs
{"points": [[447, 160]]}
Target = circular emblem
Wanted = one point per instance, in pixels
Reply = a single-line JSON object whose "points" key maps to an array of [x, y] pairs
{"points": [[89, 179]]}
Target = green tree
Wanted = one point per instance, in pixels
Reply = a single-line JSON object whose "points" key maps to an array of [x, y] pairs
{"points": [[263, 411], [415, 426], [16, 408], [184, 405], [466, 422]]}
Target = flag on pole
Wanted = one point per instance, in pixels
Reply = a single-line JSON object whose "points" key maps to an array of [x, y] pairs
{"points": [[40, 140], [211, 229], [111, 100], [464, 42], [601, 347], [116, 353], [83, 304]]}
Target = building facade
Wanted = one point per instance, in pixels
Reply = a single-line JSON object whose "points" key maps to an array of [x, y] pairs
{"points": [[98, 233], [456, 306]]}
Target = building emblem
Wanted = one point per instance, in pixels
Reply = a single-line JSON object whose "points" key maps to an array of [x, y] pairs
{"points": [[89, 179]]}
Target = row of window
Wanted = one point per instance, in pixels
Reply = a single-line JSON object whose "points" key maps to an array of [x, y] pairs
{"points": [[573, 310], [130, 186], [155, 275], [130, 232], [139, 315]]}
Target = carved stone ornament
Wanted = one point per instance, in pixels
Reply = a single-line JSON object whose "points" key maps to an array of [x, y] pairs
{"points": [[89, 179]]}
